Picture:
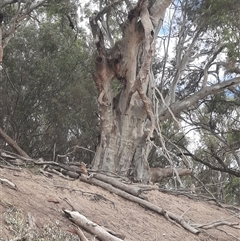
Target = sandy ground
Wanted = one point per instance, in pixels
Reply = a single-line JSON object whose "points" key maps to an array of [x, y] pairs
{"points": [[35, 192]]}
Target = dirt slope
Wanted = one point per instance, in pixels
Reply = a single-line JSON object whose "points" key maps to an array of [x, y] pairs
{"points": [[35, 192]]}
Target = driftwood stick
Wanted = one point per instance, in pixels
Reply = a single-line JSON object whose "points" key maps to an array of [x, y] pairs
{"points": [[90, 226], [140, 201]]}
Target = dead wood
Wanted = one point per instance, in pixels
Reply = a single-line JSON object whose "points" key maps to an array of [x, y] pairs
{"points": [[13, 144], [134, 190], [90, 226], [148, 187], [121, 236], [76, 230], [11, 168], [187, 193], [62, 172], [215, 200], [229, 234], [141, 202], [45, 173], [12, 185], [216, 224], [72, 171]]}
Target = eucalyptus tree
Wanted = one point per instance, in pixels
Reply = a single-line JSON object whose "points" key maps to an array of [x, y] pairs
{"points": [[192, 57]]}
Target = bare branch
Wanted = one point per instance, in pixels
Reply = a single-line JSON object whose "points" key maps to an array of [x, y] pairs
{"points": [[219, 50], [189, 101], [213, 167]]}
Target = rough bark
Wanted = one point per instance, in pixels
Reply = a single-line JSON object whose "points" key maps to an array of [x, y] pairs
{"points": [[127, 119]]}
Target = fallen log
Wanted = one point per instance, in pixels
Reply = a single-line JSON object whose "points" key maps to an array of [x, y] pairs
{"points": [[90, 226], [136, 191], [141, 202]]}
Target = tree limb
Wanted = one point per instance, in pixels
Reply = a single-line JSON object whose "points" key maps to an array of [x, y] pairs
{"points": [[189, 101], [228, 170]]}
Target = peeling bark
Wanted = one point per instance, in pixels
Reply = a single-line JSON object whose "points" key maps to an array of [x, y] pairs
{"points": [[127, 119]]}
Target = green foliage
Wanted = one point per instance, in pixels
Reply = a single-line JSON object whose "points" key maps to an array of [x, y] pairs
{"points": [[222, 18], [219, 145], [232, 191], [47, 93]]}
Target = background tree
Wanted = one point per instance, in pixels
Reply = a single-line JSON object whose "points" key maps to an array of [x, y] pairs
{"points": [[47, 103], [213, 120]]}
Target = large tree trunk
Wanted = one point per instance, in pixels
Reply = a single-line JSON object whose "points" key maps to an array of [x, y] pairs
{"points": [[127, 119]]}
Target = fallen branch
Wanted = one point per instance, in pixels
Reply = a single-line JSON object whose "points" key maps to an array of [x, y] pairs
{"points": [[3, 180], [140, 201], [229, 234], [136, 191], [60, 174], [215, 224], [90, 226], [80, 234], [11, 168]]}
